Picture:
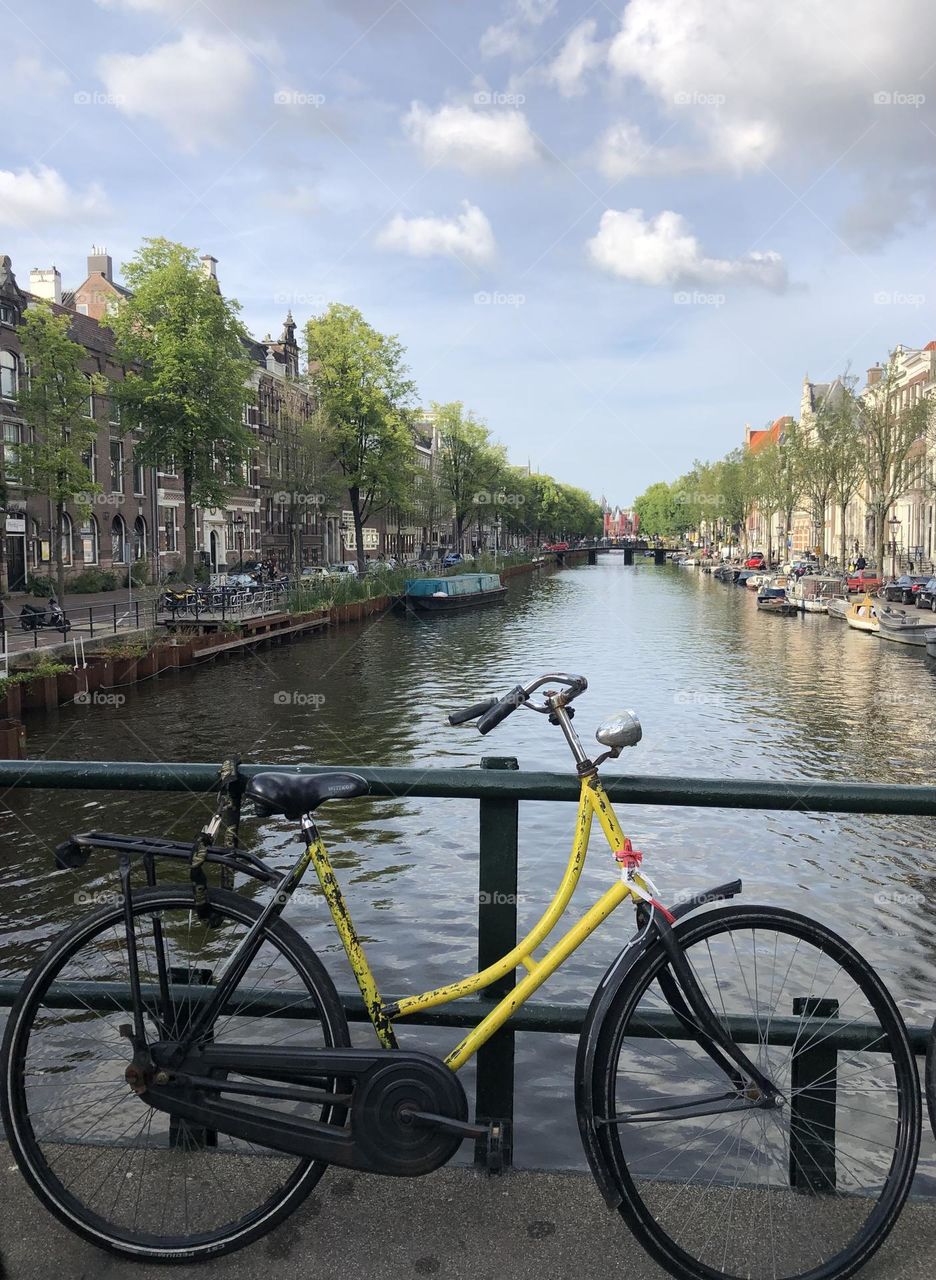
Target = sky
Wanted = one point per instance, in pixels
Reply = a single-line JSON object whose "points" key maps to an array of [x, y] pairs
{"points": [[617, 233]]}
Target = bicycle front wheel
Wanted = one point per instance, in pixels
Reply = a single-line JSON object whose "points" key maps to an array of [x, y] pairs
{"points": [[119, 1173], [808, 1188]]}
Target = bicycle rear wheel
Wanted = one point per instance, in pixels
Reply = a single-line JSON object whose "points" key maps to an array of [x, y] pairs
{"points": [[807, 1189], [119, 1173], [931, 1068]]}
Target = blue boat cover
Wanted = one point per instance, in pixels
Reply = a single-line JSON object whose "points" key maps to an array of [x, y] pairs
{"points": [[459, 584]]}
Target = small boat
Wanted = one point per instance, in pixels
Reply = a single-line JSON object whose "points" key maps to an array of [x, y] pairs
{"points": [[460, 591], [837, 607], [931, 643], [774, 600], [862, 615], [813, 591], [905, 628]]}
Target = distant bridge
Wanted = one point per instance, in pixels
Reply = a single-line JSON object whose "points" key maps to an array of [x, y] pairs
{"points": [[629, 547]]}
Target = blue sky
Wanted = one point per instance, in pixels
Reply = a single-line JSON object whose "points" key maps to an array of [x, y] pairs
{"points": [[617, 233]]}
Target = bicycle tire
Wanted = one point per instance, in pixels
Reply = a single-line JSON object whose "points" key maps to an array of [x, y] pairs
{"points": [[292, 1185], [648, 1202], [930, 1077]]}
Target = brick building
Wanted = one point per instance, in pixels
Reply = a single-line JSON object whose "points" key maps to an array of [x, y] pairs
{"points": [[120, 527]]}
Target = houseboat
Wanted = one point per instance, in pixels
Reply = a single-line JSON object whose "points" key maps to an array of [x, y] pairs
{"points": [[446, 595]]}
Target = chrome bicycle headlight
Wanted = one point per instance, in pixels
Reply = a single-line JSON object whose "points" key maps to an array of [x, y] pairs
{"points": [[622, 729]]}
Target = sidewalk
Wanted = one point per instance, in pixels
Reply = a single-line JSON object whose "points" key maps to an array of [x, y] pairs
{"points": [[104, 607], [454, 1224]]}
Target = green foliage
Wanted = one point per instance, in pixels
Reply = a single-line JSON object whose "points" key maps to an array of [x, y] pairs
{"points": [[187, 388], [53, 401], [37, 585], [364, 390], [471, 465], [140, 571], [657, 511], [43, 668]]}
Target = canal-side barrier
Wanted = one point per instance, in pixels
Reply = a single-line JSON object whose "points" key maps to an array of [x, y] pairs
{"points": [[56, 675], [499, 787]]}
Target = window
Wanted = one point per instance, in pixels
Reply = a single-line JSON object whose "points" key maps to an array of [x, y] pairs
{"points": [[82, 308], [90, 413], [116, 466], [113, 410], [139, 538], [118, 541], [171, 527], [139, 476], [170, 467], [12, 436], [89, 541], [7, 313], [66, 536], [9, 375], [89, 458]]}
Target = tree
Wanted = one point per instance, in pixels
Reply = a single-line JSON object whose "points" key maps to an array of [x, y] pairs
{"points": [[470, 464], [837, 451], [364, 390], [54, 402], [657, 510], [890, 430], [187, 384], [311, 483]]}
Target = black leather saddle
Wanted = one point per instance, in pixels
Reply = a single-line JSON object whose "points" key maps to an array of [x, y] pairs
{"points": [[293, 794]]}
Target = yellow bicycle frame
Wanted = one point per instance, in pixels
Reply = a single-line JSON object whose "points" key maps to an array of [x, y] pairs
{"points": [[593, 803]]}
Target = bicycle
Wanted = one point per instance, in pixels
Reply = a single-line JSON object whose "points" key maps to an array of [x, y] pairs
{"points": [[177, 1071]]}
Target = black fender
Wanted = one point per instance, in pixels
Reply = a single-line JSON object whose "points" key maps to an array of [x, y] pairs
{"points": [[606, 993]]}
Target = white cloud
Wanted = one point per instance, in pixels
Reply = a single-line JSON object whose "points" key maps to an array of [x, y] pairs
{"points": [[511, 36], [194, 86], [468, 236], [476, 141], [32, 76], [38, 197], [663, 251], [747, 90], [580, 53]]}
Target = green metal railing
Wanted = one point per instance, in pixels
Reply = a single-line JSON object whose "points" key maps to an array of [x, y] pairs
{"points": [[499, 787]]}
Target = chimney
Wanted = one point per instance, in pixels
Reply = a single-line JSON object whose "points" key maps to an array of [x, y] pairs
{"points": [[99, 262], [46, 282], [209, 266], [874, 374]]}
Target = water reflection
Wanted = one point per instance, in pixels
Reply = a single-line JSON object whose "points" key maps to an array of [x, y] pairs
{"points": [[722, 690]]}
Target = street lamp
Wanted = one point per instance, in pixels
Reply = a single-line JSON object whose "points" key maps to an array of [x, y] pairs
{"points": [[894, 526], [238, 524]]}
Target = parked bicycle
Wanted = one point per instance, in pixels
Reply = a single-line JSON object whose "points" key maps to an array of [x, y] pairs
{"points": [[177, 1071]]}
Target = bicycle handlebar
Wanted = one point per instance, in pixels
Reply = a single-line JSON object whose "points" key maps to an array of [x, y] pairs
{"points": [[490, 713]]}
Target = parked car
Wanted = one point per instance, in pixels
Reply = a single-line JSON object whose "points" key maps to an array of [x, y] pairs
{"points": [[241, 580], [865, 580], [555, 546], [756, 560], [926, 596], [903, 590], [314, 571], [453, 558], [346, 566]]}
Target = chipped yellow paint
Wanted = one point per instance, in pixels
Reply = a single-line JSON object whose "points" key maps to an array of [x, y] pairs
{"points": [[318, 855]]}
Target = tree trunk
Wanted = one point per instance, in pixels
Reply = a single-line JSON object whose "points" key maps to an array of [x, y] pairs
{"points": [[843, 552], [59, 551], [188, 525], [459, 526], [879, 543], [354, 497]]}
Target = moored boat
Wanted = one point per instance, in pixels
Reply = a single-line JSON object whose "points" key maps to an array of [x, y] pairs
{"points": [[460, 591], [904, 627], [837, 607], [774, 600], [862, 615], [813, 591]]}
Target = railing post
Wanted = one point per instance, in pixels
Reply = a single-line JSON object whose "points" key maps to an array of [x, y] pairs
{"points": [[812, 1102], [497, 934]]}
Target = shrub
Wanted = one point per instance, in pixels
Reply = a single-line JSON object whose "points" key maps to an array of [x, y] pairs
{"points": [[140, 571], [37, 585], [88, 580]]}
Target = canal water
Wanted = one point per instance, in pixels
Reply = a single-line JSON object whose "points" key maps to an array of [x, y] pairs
{"points": [[722, 691]]}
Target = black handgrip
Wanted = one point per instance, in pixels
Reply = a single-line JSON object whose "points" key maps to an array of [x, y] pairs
{"points": [[70, 855], [472, 713], [502, 709]]}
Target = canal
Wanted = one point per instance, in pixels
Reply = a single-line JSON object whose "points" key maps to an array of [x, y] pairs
{"points": [[721, 690]]}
